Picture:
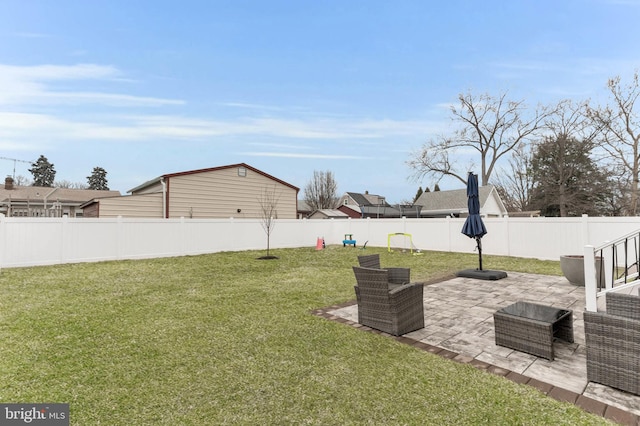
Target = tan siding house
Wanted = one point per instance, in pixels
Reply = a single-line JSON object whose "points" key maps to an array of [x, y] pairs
{"points": [[142, 206], [220, 192]]}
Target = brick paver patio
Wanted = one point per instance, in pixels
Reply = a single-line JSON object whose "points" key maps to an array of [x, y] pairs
{"points": [[459, 325]]}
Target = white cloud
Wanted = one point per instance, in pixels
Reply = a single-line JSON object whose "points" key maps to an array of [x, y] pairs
{"points": [[22, 87], [29, 85], [278, 145], [299, 155], [177, 127], [29, 127]]}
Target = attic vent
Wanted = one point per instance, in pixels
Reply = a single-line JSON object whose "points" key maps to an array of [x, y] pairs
{"points": [[242, 171]]}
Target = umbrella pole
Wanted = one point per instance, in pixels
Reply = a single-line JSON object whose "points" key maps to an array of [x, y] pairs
{"points": [[479, 241]]}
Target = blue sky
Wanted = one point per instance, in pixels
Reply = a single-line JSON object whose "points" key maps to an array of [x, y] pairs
{"points": [[145, 88]]}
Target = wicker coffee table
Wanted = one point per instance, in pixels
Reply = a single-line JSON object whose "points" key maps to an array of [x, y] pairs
{"points": [[531, 328]]}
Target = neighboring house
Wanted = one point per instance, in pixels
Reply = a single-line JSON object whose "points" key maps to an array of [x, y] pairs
{"points": [[236, 190], [42, 201], [328, 214], [350, 212], [366, 205], [454, 203], [358, 203], [304, 210]]}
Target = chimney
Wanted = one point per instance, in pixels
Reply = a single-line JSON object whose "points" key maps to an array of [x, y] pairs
{"points": [[8, 182]]}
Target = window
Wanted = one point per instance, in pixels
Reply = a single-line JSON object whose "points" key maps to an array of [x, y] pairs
{"points": [[242, 171]]}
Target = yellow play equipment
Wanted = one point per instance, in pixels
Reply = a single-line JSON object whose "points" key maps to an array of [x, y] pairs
{"points": [[401, 241]]}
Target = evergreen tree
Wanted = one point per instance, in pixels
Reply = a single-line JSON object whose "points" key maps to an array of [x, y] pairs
{"points": [[566, 180], [43, 172], [436, 188], [418, 194], [98, 179]]}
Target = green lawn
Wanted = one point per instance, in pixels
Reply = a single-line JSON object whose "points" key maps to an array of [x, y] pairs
{"points": [[229, 339]]}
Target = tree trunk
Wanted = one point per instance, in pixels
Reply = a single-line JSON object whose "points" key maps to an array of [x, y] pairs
{"points": [[562, 200]]}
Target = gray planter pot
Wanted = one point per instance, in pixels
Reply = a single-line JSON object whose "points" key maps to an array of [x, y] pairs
{"points": [[573, 269]]}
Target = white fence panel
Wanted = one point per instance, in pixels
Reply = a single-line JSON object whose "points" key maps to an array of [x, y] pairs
{"points": [[138, 239], [38, 241], [544, 238], [603, 229], [91, 240], [43, 241]]}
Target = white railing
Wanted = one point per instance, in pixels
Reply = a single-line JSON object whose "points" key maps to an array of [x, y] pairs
{"points": [[619, 270], [45, 241]]}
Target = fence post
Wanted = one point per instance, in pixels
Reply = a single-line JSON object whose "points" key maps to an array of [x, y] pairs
{"points": [[119, 236], [183, 237], [64, 239], [507, 233], [449, 242], [585, 229], [590, 288]]}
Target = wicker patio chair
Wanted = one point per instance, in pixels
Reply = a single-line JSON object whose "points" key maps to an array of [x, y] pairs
{"points": [[396, 275], [398, 310], [613, 343]]}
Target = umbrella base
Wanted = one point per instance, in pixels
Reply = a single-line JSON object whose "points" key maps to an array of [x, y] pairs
{"points": [[484, 274]]}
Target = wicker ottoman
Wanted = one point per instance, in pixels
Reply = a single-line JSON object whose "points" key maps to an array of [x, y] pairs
{"points": [[531, 328]]}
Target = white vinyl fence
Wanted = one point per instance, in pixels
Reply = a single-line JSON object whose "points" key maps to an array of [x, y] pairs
{"points": [[46, 241]]}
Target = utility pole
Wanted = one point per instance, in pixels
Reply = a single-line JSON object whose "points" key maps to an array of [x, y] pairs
{"points": [[14, 163]]}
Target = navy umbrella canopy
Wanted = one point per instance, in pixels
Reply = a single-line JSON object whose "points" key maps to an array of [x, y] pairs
{"points": [[474, 227]]}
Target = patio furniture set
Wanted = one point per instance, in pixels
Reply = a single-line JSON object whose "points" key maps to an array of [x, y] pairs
{"points": [[388, 301], [613, 343]]}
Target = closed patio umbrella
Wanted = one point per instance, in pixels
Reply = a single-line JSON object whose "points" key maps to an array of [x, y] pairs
{"points": [[474, 228]]}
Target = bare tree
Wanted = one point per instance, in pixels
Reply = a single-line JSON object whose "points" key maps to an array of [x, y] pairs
{"points": [[69, 185], [515, 184], [571, 119], [269, 213], [490, 126], [620, 125], [320, 191], [22, 181], [567, 121]]}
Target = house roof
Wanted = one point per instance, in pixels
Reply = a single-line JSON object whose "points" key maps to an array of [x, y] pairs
{"points": [[367, 199], [303, 206], [212, 169], [453, 200], [62, 195], [330, 213], [350, 211]]}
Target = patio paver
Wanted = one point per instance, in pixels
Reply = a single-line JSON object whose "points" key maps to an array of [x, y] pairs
{"points": [[459, 323]]}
